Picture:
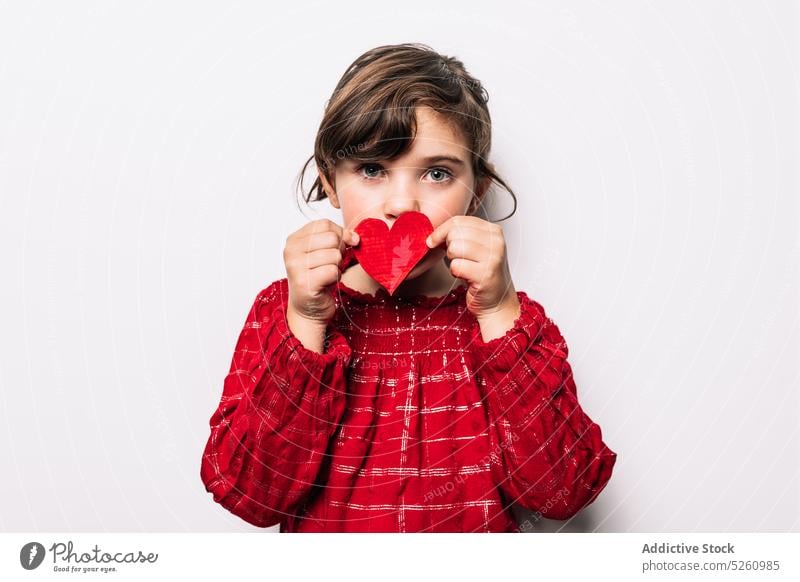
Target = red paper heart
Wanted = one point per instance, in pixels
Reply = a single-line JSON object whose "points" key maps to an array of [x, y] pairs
{"points": [[388, 256]]}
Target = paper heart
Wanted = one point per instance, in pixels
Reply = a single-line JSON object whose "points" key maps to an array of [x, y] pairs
{"points": [[388, 256]]}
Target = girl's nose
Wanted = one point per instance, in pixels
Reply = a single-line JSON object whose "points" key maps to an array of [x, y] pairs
{"points": [[399, 202]]}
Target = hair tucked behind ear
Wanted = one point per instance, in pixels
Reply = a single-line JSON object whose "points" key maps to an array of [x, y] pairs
{"points": [[371, 113]]}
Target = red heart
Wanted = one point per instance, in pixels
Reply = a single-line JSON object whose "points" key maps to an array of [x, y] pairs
{"points": [[388, 256]]}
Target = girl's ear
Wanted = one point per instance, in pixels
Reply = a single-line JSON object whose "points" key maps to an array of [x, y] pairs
{"points": [[329, 190]]}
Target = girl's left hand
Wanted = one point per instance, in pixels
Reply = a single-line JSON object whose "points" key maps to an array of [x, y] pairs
{"points": [[477, 251]]}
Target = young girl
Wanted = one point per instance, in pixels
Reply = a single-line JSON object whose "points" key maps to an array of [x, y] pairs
{"points": [[431, 409]]}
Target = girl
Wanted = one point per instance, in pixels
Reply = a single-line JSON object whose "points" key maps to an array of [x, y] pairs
{"points": [[431, 409]]}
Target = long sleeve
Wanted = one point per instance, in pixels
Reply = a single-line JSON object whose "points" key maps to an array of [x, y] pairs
{"points": [[547, 456], [280, 405]]}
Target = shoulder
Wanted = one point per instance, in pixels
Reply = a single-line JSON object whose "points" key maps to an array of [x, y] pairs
{"points": [[274, 291], [531, 306], [271, 297], [537, 318]]}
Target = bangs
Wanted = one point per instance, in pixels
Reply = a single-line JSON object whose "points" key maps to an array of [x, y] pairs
{"points": [[375, 134]]}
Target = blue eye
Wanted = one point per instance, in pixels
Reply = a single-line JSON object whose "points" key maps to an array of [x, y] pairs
{"points": [[444, 174], [371, 171], [368, 167]]}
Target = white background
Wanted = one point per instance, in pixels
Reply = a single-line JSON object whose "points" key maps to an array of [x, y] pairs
{"points": [[148, 153]]}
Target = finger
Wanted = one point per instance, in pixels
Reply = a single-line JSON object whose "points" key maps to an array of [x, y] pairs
{"points": [[324, 275], [321, 240], [464, 248], [472, 271], [446, 235], [351, 237], [312, 230], [321, 225], [439, 234], [345, 236], [323, 257]]}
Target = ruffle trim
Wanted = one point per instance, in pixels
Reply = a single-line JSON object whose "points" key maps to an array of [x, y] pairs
{"points": [[505, 351], [279, 336], [382, 296]]}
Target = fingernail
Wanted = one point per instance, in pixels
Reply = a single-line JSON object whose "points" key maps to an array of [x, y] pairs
{"points": [[428, 241]]}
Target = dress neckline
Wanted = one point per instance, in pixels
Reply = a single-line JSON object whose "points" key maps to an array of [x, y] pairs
{"points": [[382, 295]]}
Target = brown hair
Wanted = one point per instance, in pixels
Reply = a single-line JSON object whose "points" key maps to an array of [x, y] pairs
{"points": [[371, 113]]}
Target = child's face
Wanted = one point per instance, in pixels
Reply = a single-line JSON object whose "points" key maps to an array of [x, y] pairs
{"points": [[419, 180]]}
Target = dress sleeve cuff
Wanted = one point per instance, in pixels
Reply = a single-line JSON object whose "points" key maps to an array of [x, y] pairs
{"points": [[336, 348], [267, 346], [503, 352]]}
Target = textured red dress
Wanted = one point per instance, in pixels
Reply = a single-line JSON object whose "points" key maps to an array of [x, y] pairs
{"points": [[408, 422]]}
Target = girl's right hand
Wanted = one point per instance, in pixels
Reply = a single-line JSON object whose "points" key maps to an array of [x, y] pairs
{"points": [[313, 256]]}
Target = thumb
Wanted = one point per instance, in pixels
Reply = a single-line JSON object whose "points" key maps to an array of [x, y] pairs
{"points": [[351, 237]]}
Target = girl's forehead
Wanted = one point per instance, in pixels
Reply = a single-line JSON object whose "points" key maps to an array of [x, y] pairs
{"points": [[437, 137], [433, 125]]}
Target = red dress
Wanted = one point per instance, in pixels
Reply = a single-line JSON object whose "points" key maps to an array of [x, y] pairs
{"points": [[408, 422]]}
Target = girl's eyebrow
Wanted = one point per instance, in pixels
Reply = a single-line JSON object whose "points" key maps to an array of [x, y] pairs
{"points": [[436, 159], [430, 160]]}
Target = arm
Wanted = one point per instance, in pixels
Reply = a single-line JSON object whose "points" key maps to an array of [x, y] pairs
{"points": [[280, 405], [550, 456]]}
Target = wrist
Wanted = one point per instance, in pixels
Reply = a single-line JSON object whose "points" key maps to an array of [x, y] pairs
{"points": [[310, 332], [499, 321]]}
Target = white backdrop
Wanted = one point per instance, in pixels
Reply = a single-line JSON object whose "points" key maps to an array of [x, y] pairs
{"points": [[148, 153]]}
